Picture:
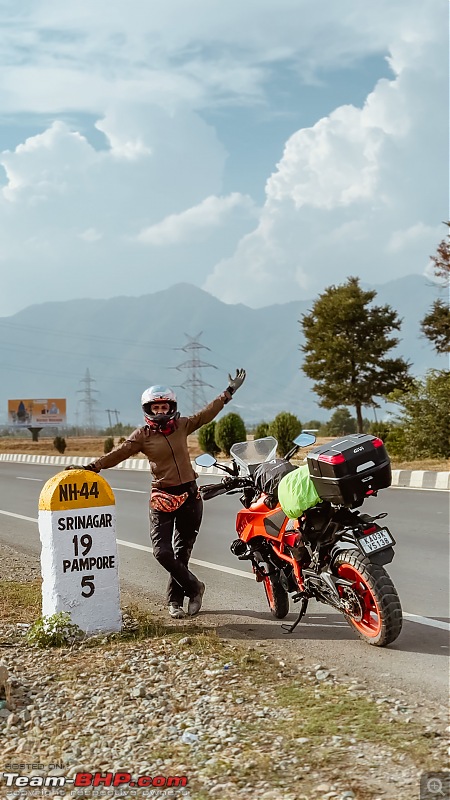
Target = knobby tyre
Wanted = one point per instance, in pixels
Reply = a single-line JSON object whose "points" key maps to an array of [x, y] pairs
{"points": [[277, 597], [378, 620]]}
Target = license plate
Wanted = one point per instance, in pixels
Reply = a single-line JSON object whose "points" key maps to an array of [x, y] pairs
{"points": [[376, 541]]}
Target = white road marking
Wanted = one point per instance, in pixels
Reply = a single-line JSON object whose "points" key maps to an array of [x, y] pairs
{"points": [[432, 623], [41, 480], [197, 561], [135, 491], [18, 516]]}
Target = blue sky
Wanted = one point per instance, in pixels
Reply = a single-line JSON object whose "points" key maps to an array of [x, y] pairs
{"points": [[261, 151]]}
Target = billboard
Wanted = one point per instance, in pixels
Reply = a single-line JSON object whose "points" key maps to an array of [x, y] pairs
{"points": [[25, 413]]}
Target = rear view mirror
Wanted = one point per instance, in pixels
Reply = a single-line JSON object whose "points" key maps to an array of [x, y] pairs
{"points": [[205, 460], [304, 439]]}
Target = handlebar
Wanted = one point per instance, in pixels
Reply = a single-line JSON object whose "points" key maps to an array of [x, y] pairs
{"points": [[212, 490], [225, 486]]}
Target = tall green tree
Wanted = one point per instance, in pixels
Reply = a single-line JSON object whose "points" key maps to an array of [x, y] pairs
{"points": [[346, 345], [436, 324]]}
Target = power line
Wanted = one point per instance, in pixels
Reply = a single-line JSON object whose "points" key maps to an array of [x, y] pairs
{"points": [[194, 384]]}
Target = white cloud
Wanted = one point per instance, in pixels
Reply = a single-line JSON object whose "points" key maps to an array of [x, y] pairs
{"points": [[362, 192], [195, 222]]}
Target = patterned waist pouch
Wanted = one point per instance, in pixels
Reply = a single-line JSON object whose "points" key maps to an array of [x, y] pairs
{"points": [[164, 501]]}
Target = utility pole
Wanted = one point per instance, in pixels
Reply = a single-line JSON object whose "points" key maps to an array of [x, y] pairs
{"points": [[194, 384], [88, 399]]}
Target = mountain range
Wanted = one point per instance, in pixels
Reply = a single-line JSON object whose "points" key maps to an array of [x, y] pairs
{"points": [[129, 343]]}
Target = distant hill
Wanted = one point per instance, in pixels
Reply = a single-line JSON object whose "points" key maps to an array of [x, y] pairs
{"points": [[129, 343]]}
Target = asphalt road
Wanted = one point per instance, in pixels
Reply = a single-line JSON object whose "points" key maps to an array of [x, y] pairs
{"points": [[416, 663]]}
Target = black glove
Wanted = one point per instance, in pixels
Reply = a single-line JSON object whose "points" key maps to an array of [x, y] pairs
{"points": [[236, 382]]}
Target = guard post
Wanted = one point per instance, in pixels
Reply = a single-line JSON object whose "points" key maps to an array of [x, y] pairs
{"points": [[77, 527]]}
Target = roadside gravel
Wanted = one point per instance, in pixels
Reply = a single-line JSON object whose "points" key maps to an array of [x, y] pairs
{"points": [[184, 704]]}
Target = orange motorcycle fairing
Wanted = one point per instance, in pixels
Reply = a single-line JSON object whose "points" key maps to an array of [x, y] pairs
{"points": [[260, 520]]}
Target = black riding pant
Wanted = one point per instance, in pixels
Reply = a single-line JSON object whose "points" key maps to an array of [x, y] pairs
{"points": [[173, 535]]}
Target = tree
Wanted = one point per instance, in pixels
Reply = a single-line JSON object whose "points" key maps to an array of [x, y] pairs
{"points": [[441, 260], [206, 438], [341, 423], [261, 430], [436, 324], [229, 430], [285, 427], [423, 425], [346, 342]]}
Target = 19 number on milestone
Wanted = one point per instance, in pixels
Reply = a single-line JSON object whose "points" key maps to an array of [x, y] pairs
{"points": [[87, 581]]}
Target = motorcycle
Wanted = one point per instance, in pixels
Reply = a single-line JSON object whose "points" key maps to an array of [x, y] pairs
{"points": [[332, 552]]}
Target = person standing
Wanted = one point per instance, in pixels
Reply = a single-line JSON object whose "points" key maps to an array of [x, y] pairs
{"points": [[176, 507]]}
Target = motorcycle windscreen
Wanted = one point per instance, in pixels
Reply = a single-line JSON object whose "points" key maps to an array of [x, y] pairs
{"points": [[247, 454]]}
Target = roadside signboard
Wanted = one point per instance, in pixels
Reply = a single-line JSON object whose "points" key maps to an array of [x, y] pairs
{"points": [[77, 527], [26, 413]]}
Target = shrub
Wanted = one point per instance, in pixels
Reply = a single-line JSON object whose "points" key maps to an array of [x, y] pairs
{"points": [[423, 425], [285, 427], [229, 430], [108, 444], [261, 430], [54, 631], [59, 443], [206, 438]]}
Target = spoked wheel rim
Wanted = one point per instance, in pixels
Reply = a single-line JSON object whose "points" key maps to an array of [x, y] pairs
{"points": [[370, 623]]}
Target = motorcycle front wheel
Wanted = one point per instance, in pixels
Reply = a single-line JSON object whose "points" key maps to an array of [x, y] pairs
{"points": [[277, 597], [374, 608]]}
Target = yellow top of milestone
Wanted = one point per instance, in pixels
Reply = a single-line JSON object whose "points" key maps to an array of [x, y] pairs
{"points": [[75, 488]]}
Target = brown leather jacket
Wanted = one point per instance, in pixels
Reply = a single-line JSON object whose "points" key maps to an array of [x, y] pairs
{"points": [[168, 456]]}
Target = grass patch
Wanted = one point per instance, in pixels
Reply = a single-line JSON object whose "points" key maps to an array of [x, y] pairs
{"points": [[20, 602], [336, 714]]}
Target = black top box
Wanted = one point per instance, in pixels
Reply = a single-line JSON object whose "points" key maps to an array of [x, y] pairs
{"points": [[347, 470]]}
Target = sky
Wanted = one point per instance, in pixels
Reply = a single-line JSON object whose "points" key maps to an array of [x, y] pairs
{"points": [[259, 150]]}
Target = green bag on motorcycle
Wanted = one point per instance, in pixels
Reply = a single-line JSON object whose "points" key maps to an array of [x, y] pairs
{"points": [[296, 492]]}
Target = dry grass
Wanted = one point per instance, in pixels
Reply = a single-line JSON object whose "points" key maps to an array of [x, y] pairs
{"points": [[20, 602]]}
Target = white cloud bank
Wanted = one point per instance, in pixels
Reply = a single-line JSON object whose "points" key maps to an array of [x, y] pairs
{"points": [[361, 192]]}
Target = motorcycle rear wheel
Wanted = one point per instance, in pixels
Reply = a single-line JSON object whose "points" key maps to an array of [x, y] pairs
{"points": [[380, 618], [277, 597]]}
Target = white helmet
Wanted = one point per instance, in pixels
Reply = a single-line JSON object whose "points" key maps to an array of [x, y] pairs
{"points": [[159, 394]]}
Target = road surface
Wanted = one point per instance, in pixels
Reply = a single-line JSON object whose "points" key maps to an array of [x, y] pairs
{"points": [[416, 663]]}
